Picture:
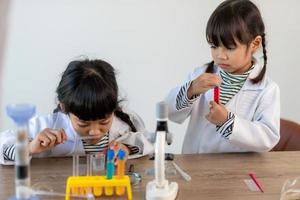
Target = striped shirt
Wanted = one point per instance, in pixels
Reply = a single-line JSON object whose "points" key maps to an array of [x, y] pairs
{"points": [[103, 144], [230, 86]]}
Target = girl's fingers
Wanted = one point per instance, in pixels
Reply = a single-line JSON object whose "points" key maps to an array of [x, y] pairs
{"points": [[114, 145], [57, 134], [52, 137], [64, 135], [60, 135], [44, 140]]}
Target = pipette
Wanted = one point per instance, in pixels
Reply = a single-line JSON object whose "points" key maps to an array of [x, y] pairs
{"points": [[36, 192], [181, 172]]}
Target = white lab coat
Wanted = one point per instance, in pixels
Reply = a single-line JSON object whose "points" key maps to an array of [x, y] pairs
{"points": [[257, 117], [73, 144]]}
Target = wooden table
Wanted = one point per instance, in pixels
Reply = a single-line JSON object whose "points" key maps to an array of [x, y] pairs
{"points": [[214, 176]]}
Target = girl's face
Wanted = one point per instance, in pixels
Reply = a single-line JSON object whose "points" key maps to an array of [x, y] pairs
{"points": [[235, 60], [96, 127]]}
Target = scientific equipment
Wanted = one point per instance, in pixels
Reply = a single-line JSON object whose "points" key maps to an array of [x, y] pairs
{"points": [[135, 178], [20, 114], [92, 185], [110, 167], [98, 164], [291, 189], [217, 94], [181, 172], [159, 188], [110, 170], [121, 170]]}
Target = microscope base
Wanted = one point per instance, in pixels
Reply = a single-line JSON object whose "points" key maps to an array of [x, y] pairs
{"points": [[166, 192]]}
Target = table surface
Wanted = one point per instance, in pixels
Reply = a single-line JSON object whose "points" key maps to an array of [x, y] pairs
{"points": [[214, 176]]}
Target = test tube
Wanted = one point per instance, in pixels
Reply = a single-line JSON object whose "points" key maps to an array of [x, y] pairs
{"points": [[98, 168], [76, 165], [217, 94], [98, 164], [110, 168], [121, 170], [89, 164]]}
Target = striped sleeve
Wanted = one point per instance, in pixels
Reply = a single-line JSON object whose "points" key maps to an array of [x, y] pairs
{"points": [[227, 127], [182, 100], [9, 152]]}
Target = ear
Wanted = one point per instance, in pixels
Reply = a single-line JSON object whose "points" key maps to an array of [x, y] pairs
{"points": [[255, 44]]}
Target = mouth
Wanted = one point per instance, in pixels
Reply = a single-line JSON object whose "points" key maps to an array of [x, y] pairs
{"points": [[91, 139], [223, 66]]}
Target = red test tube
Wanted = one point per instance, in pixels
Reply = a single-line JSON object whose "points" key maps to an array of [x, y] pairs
{"points": [[217, 95]]}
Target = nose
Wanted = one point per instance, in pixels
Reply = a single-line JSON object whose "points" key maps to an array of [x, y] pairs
{"points": [[95, 132], [221, 54]]}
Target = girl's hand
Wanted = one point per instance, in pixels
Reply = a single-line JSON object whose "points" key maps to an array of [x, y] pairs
{"points": [[116, 146], [203, 83], [217, 114], [47, 139]]}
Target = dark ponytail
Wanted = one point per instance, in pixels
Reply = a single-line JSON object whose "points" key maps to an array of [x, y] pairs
{"points": [[263, 71], [125, 118]]}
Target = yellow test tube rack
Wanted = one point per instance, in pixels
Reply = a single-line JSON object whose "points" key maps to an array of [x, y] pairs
{"points": [[98, 186]]}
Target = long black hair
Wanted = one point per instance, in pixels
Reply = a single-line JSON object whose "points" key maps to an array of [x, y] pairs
{"points": [[236, 20], [88, 89]]}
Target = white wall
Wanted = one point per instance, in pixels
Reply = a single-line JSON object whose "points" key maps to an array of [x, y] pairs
{"points": [[153, 45]]}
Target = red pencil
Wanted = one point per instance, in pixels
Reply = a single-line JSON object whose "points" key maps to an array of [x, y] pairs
{"points": [[256, 181], [217, 95]]}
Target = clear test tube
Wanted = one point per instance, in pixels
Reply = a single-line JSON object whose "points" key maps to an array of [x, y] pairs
{"points": [[75, 191], [98, 164], [98, 169], [76, 165], [89, 169]]}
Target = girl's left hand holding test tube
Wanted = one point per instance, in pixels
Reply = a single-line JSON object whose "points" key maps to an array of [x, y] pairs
{"points": [[47, 139], [217, 113]]}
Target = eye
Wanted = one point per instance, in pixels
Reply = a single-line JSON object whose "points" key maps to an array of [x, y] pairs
{"points": [[83, 125], [231, 48], [104, 122], [213, 46]]}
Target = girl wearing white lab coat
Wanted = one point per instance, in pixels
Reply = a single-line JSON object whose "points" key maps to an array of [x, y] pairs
{"points": [[88, 106], [248, 114]]}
